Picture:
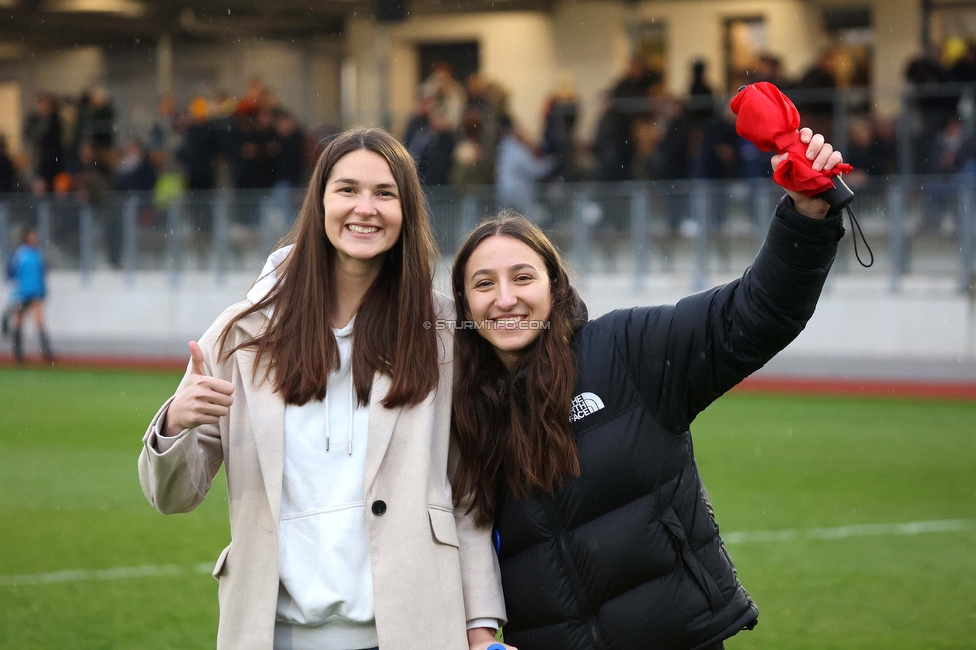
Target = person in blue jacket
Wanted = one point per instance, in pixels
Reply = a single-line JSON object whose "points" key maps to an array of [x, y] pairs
{"points": [[26, 271]]}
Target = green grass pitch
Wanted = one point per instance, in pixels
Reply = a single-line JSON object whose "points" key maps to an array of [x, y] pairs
{"points": [[70, 500]]}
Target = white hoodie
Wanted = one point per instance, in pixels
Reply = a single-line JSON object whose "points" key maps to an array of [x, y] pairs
{"points": [[325, 597]]}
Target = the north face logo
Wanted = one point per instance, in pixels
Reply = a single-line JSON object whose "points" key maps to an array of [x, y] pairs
{"points": [[584, 404]]}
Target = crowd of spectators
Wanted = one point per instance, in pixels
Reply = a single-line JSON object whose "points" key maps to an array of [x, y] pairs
{"points": [[939, 78], [462, 133], [643, 133], [71, 145]]}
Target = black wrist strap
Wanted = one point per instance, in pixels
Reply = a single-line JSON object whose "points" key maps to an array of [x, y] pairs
{"points": [[856, 230]]}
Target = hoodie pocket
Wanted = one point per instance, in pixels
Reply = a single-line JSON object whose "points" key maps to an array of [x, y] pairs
{"points": [[324, 566], [443, 526]]}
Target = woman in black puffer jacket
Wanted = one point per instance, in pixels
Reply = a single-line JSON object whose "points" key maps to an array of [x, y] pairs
{"points": [[605, 534]]}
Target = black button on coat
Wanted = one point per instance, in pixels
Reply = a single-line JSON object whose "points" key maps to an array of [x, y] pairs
{"points": [[628, 556]]}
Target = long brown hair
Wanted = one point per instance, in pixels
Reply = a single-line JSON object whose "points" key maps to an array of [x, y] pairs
{"points": [[389, 336], [515, 424]]}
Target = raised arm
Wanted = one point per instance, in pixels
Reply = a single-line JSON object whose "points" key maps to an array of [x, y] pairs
{"points": [[686, 356]]}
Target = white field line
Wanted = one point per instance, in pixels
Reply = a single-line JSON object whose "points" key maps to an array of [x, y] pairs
{"points": [[843, 532], [118, 573], [753, 537]]}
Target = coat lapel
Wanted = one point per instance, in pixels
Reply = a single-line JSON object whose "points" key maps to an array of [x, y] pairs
{"points": [[381, 424], [267, 413]]}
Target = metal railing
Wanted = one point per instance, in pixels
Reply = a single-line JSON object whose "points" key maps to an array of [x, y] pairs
{"points": [[703, 229], [132, 231]]}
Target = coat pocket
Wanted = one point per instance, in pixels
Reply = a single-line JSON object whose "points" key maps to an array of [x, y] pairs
{"points": [[687, 557], [443, 526], [221, 561]]}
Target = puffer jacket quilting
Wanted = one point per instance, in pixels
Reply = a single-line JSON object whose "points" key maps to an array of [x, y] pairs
{"points": [[628, 555]]}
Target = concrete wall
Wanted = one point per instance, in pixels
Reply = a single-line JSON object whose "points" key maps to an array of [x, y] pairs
{"points": [[67, 71], [858, 326]]}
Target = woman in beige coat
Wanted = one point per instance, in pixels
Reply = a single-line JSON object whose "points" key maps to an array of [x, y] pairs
{"points": [[327, 396]]}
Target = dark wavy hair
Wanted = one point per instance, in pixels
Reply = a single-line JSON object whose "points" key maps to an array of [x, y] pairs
{"points": [[514, 424], [389, 336]]}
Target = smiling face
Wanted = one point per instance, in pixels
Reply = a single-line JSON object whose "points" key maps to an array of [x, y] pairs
{"points": [[506, 287], [363, 214]]}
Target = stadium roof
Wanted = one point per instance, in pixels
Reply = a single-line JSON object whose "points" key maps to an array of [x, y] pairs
{"points": [[36, 24]]}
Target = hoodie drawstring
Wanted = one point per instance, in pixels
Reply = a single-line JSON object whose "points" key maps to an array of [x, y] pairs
{"points": [[352, 413], [352, 408]]}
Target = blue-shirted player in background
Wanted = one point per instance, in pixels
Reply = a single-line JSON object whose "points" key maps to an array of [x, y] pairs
{"points": [[26, 271]]}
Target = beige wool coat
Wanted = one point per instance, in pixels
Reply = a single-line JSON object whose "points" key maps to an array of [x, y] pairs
{"points": [[433, 569]]}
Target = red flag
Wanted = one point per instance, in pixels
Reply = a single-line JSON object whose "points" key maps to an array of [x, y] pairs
{"points": [[768, 119]]}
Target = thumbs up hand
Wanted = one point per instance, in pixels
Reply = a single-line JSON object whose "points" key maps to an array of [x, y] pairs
{"points": [[201, 400]]}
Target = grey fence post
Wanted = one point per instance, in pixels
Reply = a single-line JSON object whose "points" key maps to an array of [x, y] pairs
{"points": [[130, 213], [44, 222], [967, 205], [896, 232], [86, 243], [906, 165], [266, 223], [638, 234], [762, 209], [469, 216], [699, 214], [967, 110], [4, 232], [174, 246], [839, 140], [581, 233], [221, 235]]}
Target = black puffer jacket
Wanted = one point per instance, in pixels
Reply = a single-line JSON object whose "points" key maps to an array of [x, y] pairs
{"points": [[628, 556]]}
